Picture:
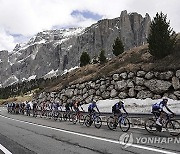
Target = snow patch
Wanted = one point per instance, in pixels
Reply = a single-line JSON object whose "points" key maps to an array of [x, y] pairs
{"points": [[51, 74], [71, 69], [31, 77], [133, 105]]}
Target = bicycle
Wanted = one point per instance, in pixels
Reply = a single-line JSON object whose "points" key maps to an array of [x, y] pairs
{"points": [[169, 124], [122, 121], [78, 116], [57, 115], [93, 118], [67, 115]]}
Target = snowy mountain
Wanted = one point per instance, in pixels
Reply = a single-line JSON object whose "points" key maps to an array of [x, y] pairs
{"points": [[51, 52]]}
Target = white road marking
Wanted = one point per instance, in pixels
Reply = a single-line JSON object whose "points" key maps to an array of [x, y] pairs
{"points": [[6, 151], [92, 137]]}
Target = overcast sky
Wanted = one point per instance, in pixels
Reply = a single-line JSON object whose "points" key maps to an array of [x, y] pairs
{"points": [[21, 19]]}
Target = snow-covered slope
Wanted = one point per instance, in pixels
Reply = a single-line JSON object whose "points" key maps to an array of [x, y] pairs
{"points": [[59, 50]]}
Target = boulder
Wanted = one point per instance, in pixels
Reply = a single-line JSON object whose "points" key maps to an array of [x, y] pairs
{"points": [[122, 95], [130, 83], [98, 93], [102, 88], [141, 73], [76, 91], [121, 85], [69, 93], [177, 93], [91, 91], [156, 97], [175, 83], [144, 94], [105, 94], [172, 96], [115, 77], [149, 75], [123, 75], [132, 92], [139, 81], [158, 86], [131, 75], [113, 93], [139, 88], [165, 75], [178, 74]]}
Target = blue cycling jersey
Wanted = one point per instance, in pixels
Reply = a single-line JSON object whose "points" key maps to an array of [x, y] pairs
{"points": [[119, 106], [158, 106], [92, 106]]}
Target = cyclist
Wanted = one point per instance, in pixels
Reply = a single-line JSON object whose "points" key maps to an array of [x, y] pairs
{"points": [[28, 108], [116, 110], [67, 107], [76, 106], [91, 110], [34, 108], [91, 107], [157, 110]]}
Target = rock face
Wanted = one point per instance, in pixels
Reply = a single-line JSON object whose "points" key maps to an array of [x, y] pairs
{"points": [[117, 87], [50, 52]]}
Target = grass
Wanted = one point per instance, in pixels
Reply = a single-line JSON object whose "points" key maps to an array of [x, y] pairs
{"points": [[16, 99]]}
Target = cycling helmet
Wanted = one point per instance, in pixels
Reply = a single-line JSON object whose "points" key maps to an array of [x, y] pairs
{"points": [[165, 99]]}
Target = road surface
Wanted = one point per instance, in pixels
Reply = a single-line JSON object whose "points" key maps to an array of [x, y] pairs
{"points": [[20, 134]]}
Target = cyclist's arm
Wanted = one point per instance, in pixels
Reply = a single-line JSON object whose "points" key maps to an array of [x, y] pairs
{"points": [[124, 109], [97, 109], [82, 108], [169, 110]]}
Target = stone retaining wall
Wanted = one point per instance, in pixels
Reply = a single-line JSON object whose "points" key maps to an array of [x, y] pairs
{"points": [[138, 85]]}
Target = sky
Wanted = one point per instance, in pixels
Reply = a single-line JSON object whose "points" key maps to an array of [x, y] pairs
{"points": [[21, 19]]}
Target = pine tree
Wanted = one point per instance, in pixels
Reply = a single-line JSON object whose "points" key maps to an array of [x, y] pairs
{"points": [[102, 57], [84, 59], [118, 47], [162, 38]]}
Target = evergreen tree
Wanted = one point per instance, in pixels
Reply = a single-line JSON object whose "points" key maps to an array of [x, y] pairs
{"points": [[118, 47], [84, 59], [102, 57], [162, 38]]}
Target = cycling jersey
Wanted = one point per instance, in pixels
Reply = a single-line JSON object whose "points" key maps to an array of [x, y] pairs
{"points": [[159, 106], [92, 106], [118, 106]]}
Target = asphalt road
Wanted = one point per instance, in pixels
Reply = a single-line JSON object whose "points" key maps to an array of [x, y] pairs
{"points": [[20, 134]]}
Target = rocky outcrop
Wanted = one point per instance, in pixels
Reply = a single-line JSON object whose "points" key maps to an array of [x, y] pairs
{"points": [[50, 52], [138, 85]]}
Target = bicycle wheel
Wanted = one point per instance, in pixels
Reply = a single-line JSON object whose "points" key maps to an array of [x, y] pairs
{"points": [[88, 121], [150, 125], [97, 122], [110, 123], [60, 117], [74, 118], [124, 124], [81, 119], [65, 116], [55, 116], [173, 127]]}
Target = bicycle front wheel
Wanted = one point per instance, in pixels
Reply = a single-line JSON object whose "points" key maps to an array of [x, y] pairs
{"points": [[110, 123], [97, 122], [74, 119], [124, 124], [81, 120], [150, 125], [88, 121], [173, 127]]}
